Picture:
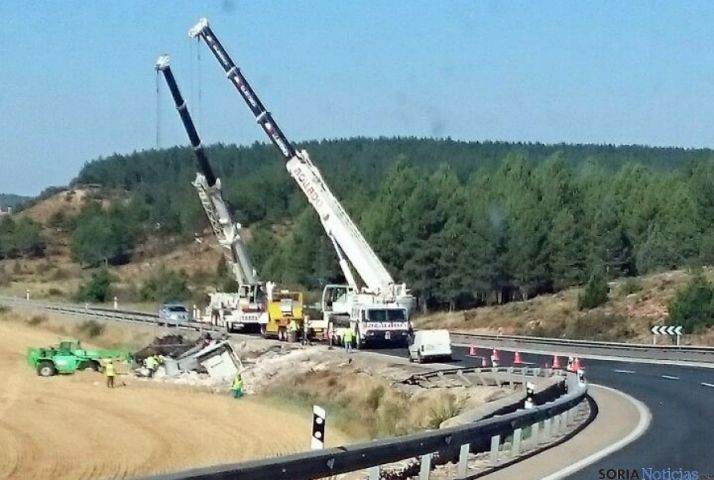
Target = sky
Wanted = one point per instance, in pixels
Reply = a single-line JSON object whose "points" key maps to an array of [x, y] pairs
{"points": [[77, 80]]}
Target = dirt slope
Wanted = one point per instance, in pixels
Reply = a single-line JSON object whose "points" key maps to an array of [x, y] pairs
{"points": [[72, 427]]}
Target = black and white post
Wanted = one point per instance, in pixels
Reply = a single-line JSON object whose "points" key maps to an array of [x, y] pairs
{"points": [[318, 428]]}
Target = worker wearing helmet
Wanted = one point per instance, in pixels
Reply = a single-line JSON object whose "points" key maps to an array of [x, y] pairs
{"points": [[237, 386], [110, 372]]}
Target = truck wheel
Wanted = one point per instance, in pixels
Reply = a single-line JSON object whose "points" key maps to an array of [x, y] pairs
{"points": [[89, 365], [46, 369]]}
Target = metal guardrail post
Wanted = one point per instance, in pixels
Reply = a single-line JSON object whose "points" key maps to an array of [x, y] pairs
{"points": [[555, 429], [535, 431], [374, 472], [546, 430], [572, 414], [425, 468], [463, 461], [495, 441], [516, 445]]}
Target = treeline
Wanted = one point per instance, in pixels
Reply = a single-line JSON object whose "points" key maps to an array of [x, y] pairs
{"points": [[461, 223]]}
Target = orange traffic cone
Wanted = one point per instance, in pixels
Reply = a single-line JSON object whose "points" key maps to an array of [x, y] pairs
{"points": [[484, 362], [472, 350], [577, 365], [517, 360], [556, 361], [495, 355]]}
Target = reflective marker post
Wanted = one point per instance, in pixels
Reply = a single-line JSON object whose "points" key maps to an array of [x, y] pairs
{"points": [[318, 428]]}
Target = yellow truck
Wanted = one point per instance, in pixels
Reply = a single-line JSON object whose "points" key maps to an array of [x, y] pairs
{"points": [[284, 307]]}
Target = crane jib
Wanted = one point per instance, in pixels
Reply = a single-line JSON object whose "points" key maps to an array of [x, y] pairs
{"points": [[308, 187], [262, 116]]}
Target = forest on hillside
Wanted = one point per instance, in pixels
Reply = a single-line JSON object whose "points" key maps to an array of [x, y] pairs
{"points": [[462, 223]]}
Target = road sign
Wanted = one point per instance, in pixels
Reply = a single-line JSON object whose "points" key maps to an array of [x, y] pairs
{"points": [[666, 330]]}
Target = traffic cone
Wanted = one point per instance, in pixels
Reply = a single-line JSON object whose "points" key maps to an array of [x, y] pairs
{"points": [[484, 362], [495, 355], [517, 360], [472, 350], [556, 361], [577, 365]]}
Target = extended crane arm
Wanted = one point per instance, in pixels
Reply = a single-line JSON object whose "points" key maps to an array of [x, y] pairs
{"points": [[209, 189], [348, 240]]}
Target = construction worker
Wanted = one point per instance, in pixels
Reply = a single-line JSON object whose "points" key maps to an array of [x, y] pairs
{"points": [[292, 330], [110, 372], [151, 363], [347, 339], [237, 386]]}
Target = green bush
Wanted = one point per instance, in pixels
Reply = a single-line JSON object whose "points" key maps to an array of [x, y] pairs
{"points": [[692, 306], [631, 285], [595, 292], [98, 289], [166, 285]]}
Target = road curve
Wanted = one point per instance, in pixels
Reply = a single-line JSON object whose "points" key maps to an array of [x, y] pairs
{"points": [[681, 400]]}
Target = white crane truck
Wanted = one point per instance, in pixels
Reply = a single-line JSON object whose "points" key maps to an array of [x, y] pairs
{"points": [[251, 308], [378, 309]]}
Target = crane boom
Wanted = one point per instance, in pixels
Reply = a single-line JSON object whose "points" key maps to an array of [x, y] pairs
{"points": [[208, 187], [349, 242]]}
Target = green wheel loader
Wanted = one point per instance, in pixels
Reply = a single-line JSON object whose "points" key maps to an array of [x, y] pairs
{"points": [[68, 356]]}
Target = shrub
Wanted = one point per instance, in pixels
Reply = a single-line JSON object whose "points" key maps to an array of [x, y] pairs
{"points": [[631, 285], [91, 328], [692, 306], [98, 289], [165, 285], [55, 292], [36, 320], [595, 292]]}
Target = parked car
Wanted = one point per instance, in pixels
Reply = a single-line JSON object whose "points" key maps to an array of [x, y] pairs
{"points": [[430, 345], [173, 313]]}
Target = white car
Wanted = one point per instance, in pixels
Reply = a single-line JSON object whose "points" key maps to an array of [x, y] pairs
{"points": [[430, 345]]}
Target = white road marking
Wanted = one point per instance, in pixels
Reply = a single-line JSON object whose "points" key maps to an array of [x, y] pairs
{"points": [[623, 371], [642, 425], [705, 384], [671, 377]]}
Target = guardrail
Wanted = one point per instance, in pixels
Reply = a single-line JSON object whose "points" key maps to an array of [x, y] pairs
{"points": [[91, 311], [585, 343], [544, 421], [561, 346]]}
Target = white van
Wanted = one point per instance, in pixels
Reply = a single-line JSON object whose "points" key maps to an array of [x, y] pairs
{"points": [[429, 345]]}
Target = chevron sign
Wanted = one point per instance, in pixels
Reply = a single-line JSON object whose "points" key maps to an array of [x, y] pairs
{"points": [[666, 330]]}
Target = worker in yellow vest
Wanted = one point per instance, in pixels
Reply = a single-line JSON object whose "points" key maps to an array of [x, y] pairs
{"points": [[348, 338], [110, 372], [237, 386]]}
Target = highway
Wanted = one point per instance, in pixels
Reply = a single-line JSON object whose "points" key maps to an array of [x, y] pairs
{"points": [[681, 400]]}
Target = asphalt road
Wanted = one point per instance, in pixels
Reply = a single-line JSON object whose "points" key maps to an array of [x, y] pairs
{"points": [[681, 434]]}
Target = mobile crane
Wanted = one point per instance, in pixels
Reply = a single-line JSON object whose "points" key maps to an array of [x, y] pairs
{"points": [[252, 306], [379, 309]]}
